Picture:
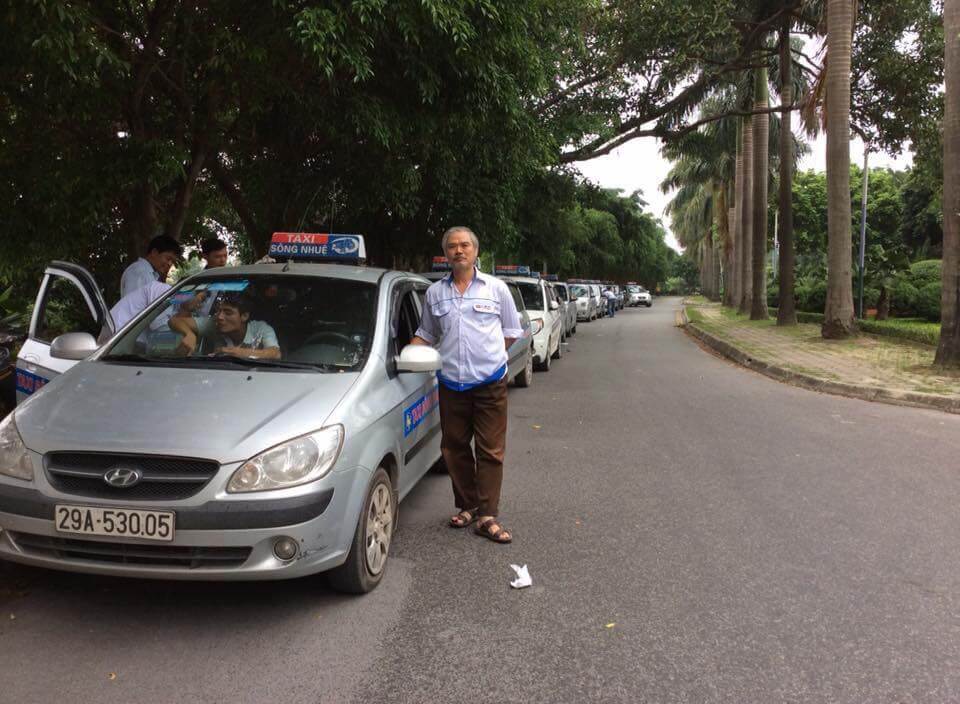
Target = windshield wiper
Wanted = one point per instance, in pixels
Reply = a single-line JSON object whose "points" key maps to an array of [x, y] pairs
{"points": [[132, 358], [261, 362]]}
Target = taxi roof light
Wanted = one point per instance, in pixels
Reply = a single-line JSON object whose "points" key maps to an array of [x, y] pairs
{"points": [[318, 247]]}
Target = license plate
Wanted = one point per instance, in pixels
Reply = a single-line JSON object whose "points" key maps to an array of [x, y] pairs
{"points": [[116, 522]]}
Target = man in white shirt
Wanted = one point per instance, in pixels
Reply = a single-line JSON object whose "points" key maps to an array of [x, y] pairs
{"points": [[162, 252], [128, 307]]}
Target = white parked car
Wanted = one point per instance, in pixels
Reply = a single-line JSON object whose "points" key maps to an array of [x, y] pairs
{"points": [[586, 306], [546, 318], [567, 305]]}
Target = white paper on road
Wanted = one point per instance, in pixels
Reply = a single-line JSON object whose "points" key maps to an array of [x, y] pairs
{"points": [[523, 577]]}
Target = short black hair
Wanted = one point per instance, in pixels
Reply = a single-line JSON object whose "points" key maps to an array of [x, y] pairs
{"points": [[241, 301], [212, 244], [165, 243]]}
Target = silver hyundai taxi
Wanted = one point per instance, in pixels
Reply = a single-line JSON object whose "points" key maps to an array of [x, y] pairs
{"points": [[258, 422]]}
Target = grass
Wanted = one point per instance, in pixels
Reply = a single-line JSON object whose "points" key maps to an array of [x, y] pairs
{"points": [[694, 315], [888, 357]]}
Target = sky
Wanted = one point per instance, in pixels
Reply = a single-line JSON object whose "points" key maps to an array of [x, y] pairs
{"points": [[638, 165]]}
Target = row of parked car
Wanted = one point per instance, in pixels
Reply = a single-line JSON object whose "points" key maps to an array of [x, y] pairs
{"points": [[551, 309], [132, 454]]}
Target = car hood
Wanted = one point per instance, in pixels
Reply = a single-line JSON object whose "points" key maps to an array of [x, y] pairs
{"points": [[225, 415]]}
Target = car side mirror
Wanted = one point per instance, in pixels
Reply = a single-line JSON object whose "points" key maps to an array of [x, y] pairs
{"points": [[554, 305], [418, 358], [73, 346]]}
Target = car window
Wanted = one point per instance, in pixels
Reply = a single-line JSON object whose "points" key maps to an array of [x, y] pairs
{"points": [[64, 310], [580, 291], [407, 320], [323, 322], [532, 296], [517, 298], [561, 292]]}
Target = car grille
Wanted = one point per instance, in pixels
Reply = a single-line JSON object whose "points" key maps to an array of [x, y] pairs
{"points": [[131, 553], [164, 478]]}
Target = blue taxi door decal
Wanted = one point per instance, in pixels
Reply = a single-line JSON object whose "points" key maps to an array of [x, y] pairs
{"points": [[419, 410], [28, 382]]}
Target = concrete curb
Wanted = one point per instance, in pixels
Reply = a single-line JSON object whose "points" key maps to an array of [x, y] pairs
{"points": [[865, 393]]}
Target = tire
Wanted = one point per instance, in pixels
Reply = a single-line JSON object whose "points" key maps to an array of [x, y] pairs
{"points": [[525, 377], [649, 305], [559, 353], [544, 366], [364, 569], [574, 330], [439, 467]]}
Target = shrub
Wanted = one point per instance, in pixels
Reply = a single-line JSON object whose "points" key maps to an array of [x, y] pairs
{"points": [[904, 299], [928, 302], [918, 331], [925, 272], [812, 295]]}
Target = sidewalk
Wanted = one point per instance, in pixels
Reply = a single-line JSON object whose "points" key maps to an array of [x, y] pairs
{"points": [[870, 367]]}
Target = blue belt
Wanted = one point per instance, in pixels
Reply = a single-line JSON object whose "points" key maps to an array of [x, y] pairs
{"points": [[466, 386]]}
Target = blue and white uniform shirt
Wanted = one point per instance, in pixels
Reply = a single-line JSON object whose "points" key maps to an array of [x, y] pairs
{"points": [[469, 330]]}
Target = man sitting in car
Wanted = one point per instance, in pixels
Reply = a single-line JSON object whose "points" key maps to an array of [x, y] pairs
{"points": [[229, 331]]}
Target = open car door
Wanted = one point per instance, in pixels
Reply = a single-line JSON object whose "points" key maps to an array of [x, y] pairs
{"points": [[68, 301]]}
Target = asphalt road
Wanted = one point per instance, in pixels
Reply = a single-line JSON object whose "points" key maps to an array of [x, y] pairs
{"points": [[695, 533]]}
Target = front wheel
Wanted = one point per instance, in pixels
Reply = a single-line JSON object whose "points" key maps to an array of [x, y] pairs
{"points": [[367, 562], [559, 353], [525, 377], [544, 366]]}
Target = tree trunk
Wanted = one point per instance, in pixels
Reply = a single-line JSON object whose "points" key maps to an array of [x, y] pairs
{"points": [[746, 221], [258, 238], [736, 276], [838, 315], [786, 305], [720, 235], [883, 303], [181, 205], [761, 169], [730, 253], [948, 351]]}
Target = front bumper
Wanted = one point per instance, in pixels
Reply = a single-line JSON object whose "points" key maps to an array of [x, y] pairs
{"points": [[541, 344], [215, 540]]}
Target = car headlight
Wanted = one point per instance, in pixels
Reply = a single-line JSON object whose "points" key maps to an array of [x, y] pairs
{"points": [[535, 326], [14, 460], [298, 461]]}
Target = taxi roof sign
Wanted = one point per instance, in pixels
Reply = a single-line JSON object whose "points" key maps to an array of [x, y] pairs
{"points": [[440, 264], [318, 247], [550, 277], [512, 270]]}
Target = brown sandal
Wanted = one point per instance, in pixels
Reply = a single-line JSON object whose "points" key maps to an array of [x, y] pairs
{"points": [[464, 518], [492, 530]]}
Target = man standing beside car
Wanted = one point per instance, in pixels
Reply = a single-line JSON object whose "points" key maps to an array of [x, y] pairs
{"points": [[162, 252], [472, 319]]}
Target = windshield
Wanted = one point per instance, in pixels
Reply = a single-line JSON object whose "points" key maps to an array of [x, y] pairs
{"points": [[579, 291], [633, 289], [281, 322], [532, 297]]}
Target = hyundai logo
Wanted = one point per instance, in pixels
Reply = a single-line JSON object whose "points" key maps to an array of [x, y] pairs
{"points": [[122, 477]]}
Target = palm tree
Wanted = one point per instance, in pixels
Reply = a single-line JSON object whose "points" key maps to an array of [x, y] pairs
{"points": [[838, 315], [761, 170], [786, 305], [948, 351], [746, 220]]}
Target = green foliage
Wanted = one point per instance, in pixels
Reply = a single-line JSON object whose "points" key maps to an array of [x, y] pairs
{"points": [[14, 316], [918, 331], [916, 292]]}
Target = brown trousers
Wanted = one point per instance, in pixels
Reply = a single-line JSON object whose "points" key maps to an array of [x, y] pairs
{"points": [[478, 414]]}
